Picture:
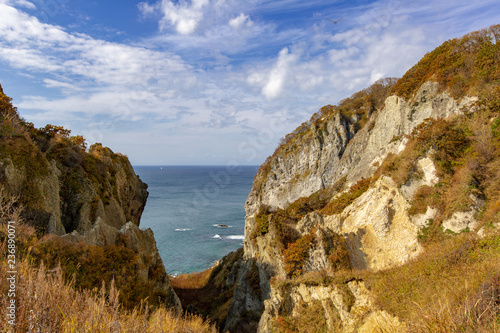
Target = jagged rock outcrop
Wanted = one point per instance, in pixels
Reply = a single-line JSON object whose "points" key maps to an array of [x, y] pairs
{"points": [[63, 186], [304, 168], [342, 151], [377, 229], [72, 197]]}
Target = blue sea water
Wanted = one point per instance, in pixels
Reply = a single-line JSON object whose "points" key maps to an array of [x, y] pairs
{"points": [[185, 206]]}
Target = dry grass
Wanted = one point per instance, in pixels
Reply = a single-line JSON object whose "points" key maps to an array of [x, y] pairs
{"points": [[476, 315], [9, 207], [453, 287], [310, 318], [46, 303], [192, 280]]}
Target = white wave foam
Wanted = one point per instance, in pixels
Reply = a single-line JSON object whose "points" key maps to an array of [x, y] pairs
{"points": [[217, 236], [183, 229], [242, 237]]}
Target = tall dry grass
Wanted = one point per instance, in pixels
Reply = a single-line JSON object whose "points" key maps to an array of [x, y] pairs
{"points": [[453, 287], [46, 302]]}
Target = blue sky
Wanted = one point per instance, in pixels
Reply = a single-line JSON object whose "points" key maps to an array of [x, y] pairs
{"points": [[209, 81]]}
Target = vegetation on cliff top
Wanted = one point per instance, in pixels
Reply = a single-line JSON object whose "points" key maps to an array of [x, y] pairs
{"points": [[29, 152], [462, 66]]}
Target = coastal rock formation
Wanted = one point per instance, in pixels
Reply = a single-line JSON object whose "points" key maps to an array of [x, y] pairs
{"points": [[362, 184], [337, 150], [71, 197], [81, 195], [356, 157]]}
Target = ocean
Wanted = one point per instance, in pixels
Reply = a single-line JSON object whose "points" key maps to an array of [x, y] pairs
{"points": [[188, 208]]}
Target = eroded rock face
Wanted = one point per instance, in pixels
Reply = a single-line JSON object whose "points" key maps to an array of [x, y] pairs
{"points": [[306, 168], [247, 304], [341, 151], [346, 153], [379, 232], [73, 196], [352, 304]]}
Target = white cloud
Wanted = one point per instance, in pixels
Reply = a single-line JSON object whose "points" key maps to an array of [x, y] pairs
{"points": [[278, 74], [184, 15], [65, 86], [20, 3], [27, 43], [217, 73], [212, 28], [240, 21]]}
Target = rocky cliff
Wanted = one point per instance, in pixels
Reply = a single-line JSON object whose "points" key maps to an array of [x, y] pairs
{"points": [[85, 196], [65, 188], [363, 184]]}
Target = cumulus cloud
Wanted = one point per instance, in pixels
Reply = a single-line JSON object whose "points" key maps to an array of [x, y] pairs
{"points": [[241, 20], [184, 16], [276, 80]]}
